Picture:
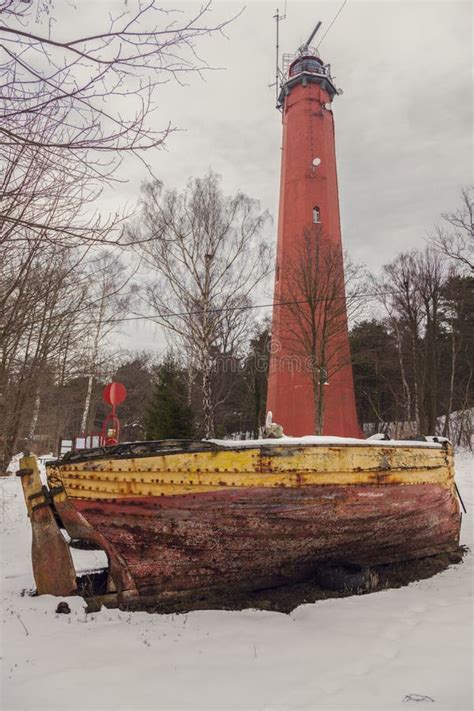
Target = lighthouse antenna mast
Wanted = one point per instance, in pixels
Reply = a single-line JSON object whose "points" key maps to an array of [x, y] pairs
{"points": [[278, 18]]}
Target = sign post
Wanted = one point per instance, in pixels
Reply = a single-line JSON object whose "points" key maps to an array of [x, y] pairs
{"points": [[113, 394]]}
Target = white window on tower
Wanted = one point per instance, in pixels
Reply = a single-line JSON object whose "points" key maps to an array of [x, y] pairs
{"points": [[316, 215]]}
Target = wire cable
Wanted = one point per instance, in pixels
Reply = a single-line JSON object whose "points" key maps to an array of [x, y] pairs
{"points": [[332, 23], [247, 307]]}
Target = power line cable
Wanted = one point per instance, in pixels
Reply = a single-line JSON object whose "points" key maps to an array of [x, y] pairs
{"points": [[247, 307], [332, 23]]}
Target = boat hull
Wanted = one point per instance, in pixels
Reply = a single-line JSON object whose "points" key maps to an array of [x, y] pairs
{"points": [[249, 518], [254, 538]]}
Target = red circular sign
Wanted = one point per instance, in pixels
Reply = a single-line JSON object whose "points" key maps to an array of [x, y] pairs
{"points": [[114, 393]]}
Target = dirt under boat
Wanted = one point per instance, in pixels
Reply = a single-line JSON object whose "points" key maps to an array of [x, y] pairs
{"points": [[184, 517]]}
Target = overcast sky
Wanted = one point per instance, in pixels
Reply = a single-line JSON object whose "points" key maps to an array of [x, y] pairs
{"points": [[403, 123]]}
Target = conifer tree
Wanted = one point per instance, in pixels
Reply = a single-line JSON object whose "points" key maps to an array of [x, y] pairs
{"points": [[169, 416]]}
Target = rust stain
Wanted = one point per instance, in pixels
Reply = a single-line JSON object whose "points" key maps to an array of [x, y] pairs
{"points": [[238, 537], [180, 473]]}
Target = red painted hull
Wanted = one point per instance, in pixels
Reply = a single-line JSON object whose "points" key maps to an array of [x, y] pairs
{"points": [[258, 537]]}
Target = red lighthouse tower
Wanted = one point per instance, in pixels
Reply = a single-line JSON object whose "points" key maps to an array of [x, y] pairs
{"points": [[309, 211]]}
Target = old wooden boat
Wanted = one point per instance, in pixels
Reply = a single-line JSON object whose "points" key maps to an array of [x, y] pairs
{"points": [[176, 517]]}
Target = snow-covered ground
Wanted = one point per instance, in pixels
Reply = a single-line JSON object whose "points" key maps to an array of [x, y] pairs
{"points": [[395, 649]]}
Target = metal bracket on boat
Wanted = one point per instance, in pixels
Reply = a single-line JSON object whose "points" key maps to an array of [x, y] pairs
{"points": [[36, 495], [55, 490], [41, 505], [24, 472], [44, 492]]}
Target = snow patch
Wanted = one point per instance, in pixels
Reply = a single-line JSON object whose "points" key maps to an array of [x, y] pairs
{"points": [[323, 440]]}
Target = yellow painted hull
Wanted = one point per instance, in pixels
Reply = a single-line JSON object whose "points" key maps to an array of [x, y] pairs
{"points": [[275, 466]]}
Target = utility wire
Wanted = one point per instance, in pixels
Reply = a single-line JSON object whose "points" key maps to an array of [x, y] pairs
{"points": [[332, 23], [247, 307]]}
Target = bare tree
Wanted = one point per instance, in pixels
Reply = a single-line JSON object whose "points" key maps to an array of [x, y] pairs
{"points": [[37, 317], [411, 291], [458, 298], [208, 256], [455, 238], [110, 291], [75, 107], [56, 311], [320, 294]]}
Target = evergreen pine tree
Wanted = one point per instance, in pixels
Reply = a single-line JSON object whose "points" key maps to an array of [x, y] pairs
{"points": [[168, 416]]}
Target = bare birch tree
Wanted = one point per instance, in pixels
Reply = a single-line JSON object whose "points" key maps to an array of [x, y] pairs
{"points": [[208, 256]]}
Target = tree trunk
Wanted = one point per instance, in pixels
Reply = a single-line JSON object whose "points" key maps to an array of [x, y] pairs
{"points": [[87, 404], [318, 399], [447, 421], [34, 417], [207, 406]]}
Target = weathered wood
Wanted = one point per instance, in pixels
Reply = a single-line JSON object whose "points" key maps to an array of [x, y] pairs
{"points": [[110, 601], [53, 569], [80, 528], [277, 466], [263, 537], [257, 517]]}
